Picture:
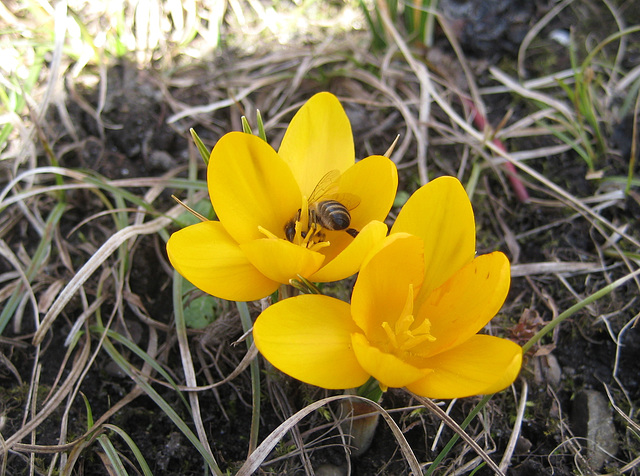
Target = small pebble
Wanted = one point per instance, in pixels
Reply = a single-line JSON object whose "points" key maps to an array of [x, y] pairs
{"points": [[160, 160], [330, 470], [591, 418]]}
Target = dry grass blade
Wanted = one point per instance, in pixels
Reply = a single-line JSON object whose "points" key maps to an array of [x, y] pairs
{"points": [[187, 365], [633, 424], [424, 104], [235, 99], [517, 427], [241, 367], [531, 94], [412, 124], [529, 269]]}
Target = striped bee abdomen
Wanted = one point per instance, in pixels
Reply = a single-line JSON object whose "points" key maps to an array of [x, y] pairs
{"points": [[332, 215]]}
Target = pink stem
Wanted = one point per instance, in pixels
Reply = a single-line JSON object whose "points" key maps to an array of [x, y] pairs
{"points": [[512, 174]]}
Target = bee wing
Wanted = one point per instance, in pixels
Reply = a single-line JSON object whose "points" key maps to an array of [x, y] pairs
{"points": [[327, 189], [327, 185], [349, 200]]}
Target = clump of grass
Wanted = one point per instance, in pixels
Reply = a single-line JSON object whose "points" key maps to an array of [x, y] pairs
{"points": [[418, 20]]}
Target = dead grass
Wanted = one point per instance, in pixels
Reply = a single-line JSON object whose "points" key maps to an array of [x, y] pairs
{"points": [[93, 340]]}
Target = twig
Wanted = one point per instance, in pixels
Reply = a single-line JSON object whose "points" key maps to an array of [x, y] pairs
{"points": [[517, 426]]}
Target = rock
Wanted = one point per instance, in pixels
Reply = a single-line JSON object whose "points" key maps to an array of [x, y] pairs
{"points": [[330, 470], [487, 28], [591, 418], [547, 369], [159, 160]]}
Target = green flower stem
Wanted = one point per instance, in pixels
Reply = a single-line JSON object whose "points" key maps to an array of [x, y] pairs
{"points": [[247, 324], [371, 390]]}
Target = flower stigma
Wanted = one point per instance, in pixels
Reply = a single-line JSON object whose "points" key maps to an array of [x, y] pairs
{"points": [[401, 337]]}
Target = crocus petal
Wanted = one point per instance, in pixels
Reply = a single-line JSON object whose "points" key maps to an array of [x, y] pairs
{"points": [[318, 140], [467, 301], [309, 338], [380, 293], [348, 261], [388, 369], [281, 260], [482, 365], [374, 181], [251, 186], [440, 213], [211, 260]]}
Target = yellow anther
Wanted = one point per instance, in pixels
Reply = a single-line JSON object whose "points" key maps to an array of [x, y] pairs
{"points": [[304, 214]]}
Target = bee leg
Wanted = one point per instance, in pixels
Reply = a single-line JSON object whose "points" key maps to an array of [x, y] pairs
{"points": [[313, 227], [352, 231], [291, 226]]}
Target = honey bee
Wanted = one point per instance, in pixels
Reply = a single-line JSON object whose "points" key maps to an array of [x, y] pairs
{"points": [[327, 210]]}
